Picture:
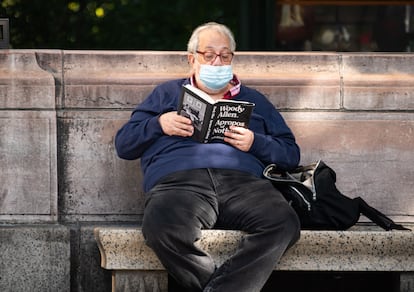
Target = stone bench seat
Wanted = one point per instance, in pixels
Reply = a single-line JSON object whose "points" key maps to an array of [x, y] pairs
{"points": [[362, 248]]}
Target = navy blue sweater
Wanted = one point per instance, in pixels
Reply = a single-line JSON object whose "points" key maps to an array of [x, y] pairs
{"points": [[142, 137]]}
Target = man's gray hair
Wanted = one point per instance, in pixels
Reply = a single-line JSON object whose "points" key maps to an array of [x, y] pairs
{"points": [[192, 45]]}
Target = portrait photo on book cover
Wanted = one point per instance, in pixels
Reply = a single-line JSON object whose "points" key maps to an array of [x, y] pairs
{"points": [[194, 109]]}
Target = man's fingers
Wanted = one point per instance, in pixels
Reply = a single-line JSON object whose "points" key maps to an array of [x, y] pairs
{"points": [[173, 124]]}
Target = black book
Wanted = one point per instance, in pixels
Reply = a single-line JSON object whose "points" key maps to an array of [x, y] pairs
{"points": [[211, 118]]}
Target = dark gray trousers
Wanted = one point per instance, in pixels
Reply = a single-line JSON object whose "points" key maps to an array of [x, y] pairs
{"points": [[183, 203]]}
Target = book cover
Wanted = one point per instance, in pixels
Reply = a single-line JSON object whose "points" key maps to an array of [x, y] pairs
{"points": [[211, 118]]}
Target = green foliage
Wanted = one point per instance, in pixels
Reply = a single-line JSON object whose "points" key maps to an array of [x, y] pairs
{"points": [[111, 24]]}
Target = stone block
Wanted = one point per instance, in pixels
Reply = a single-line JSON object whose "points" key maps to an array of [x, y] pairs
{"points": [[378, 81], [124, 79], [123, 248], [317, 66], [28, 190], [292, 80], [34, 258], [94, 183], [51, 62], [23, 83], [148, 281], [86, 273], [114, 79]]}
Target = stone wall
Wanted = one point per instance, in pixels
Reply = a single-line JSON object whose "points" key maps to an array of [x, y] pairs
{"points": [[60, 176]]}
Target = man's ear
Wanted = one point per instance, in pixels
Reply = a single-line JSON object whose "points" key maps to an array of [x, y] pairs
{"points": [[190, 58]]}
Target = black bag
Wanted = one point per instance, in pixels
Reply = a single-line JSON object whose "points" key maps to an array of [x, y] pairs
{"points": [[312, 192]]}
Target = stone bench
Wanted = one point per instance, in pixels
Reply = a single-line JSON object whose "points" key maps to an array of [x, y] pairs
{"points": [[136, 268]]}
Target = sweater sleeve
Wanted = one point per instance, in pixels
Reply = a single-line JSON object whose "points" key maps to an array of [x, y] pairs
{"points": [[274, 142], [143, 127]]}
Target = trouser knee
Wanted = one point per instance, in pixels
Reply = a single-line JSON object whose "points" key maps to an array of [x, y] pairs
{"points": [[292, 225]]}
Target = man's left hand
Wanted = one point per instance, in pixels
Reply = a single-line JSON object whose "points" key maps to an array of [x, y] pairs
{"points": [[239, 137]]}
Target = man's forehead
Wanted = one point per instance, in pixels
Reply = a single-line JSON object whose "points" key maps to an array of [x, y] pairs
{"points": [[212, 39]]}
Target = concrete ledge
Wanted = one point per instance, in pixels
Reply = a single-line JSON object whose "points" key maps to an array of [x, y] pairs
{"points": [[353, 250]]}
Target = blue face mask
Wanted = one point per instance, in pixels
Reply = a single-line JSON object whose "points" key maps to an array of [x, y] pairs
{"points": [[216, 77]]}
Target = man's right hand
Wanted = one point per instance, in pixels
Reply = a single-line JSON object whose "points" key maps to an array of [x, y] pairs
{"points": [[172, 124]]}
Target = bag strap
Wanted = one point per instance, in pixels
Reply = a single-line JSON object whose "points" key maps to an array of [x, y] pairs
{"points": [[280, 176], [271, 172], [377, 217]]}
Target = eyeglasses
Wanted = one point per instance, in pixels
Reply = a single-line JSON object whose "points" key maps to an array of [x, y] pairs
{"points": [[210, 56]]}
